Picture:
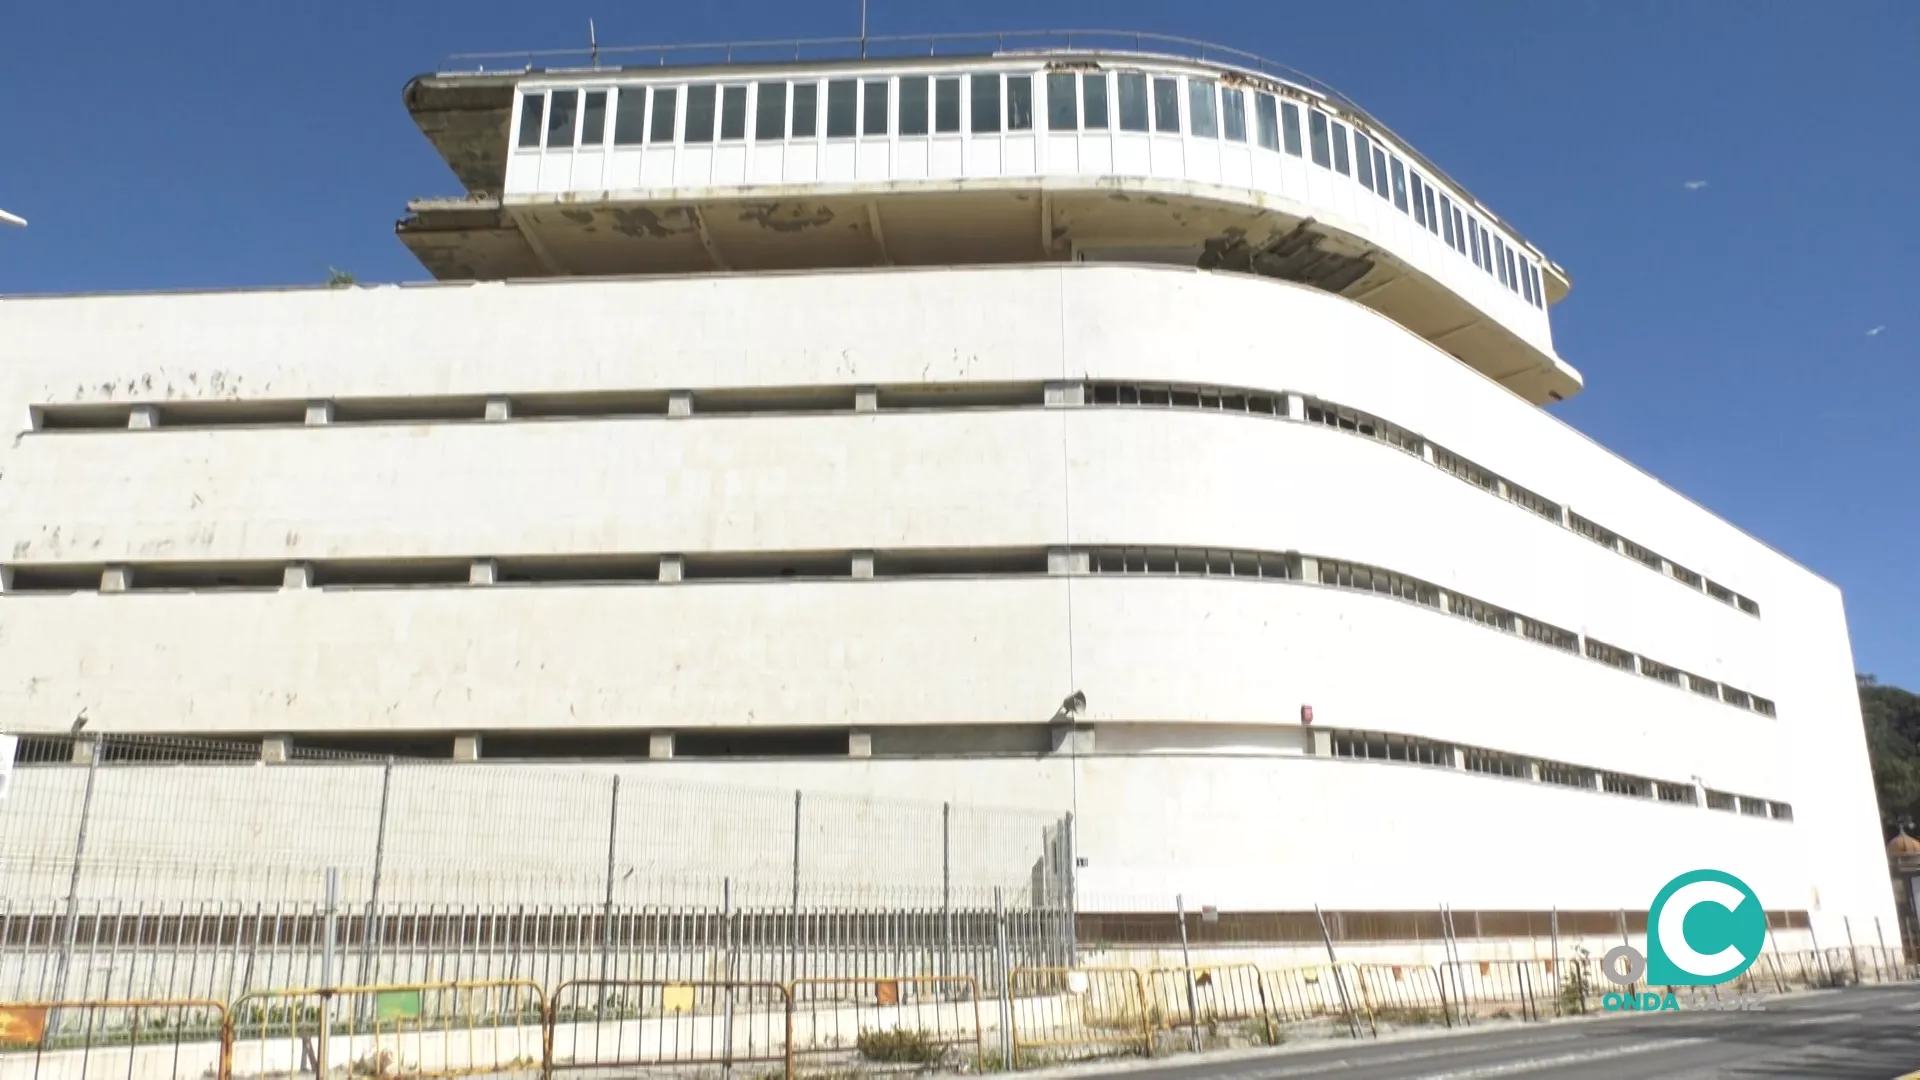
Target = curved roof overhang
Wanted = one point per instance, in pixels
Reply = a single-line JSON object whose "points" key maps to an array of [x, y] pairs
{"points": [[967, 222]]}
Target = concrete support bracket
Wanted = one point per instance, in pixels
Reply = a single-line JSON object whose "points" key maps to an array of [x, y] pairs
{"points": [[143, 417], [483, 572], [672, 567], [116, 579], [297, 576], [660, 745], [866, 399], [319, 412], [1066, 394], [499, 408], [863, 564], [680, 403], [466, 747], [1296, 407], [276, 749], [860, 744]]}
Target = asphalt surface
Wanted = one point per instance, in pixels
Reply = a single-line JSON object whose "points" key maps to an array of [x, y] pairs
{"points": [[1867, 1032]]}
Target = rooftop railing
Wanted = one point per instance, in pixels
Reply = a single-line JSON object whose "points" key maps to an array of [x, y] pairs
{"points": [[1010, 42]]}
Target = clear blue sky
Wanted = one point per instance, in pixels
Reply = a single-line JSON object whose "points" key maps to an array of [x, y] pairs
{"points": [[1723, 330]]}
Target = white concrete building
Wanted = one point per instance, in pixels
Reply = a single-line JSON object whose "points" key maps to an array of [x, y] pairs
{"points": [[1099, 427]]}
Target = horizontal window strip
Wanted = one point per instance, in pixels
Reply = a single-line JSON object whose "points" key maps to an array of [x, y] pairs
{"points": [[827, 399], [1386, 746], [601, 568]]}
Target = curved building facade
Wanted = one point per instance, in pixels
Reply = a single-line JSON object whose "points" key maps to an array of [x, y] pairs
{"points": [[1267, 567]]}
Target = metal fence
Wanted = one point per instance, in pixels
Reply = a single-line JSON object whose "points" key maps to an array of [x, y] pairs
{"points": [[165, 820]]}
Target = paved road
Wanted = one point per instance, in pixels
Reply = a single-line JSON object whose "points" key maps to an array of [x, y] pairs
{"points": [[1872, 1033]]}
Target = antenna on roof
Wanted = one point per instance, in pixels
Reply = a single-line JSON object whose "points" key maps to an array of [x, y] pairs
{"points": [[863, 29], [593, 43]]}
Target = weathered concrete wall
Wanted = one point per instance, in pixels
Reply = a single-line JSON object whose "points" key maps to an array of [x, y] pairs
{"points": [[1267, 828]]}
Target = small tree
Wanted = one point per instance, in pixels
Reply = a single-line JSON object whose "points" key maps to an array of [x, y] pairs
{"points": [[1575, 987], [338, 278]]}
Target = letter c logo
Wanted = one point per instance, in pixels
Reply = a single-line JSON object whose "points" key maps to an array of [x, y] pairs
{"points": [[1673, 921], [1732, 920]]}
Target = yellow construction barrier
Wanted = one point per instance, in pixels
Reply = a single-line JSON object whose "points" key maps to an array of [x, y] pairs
{"points": [[148, 1038], [662, 1023], [1070, 1013], [417, 1030], [917, 1022]]}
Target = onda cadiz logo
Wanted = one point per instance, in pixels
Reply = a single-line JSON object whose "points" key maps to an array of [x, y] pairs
{"points": [[1704, 928]]}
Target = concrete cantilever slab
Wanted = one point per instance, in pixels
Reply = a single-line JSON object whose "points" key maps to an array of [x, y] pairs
{"points": [[1043, 156]]}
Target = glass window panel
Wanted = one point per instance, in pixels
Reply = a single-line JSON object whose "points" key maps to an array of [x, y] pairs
{"points": [[1019, 103], [1446, 219], [1063, 101], [1433, 222], [666, 101], [1093, 95], [1166, 106], [1419, 197], [946, 105], [874, 107], [1340, 162], [733, 112], [1500, 258], [701, 113], [984, 103], [770, 111], [1473, 240], [1363, 160], [1317, 138], [1266, 119], [1290, 127], [1200, 111], [915, 103], [1133, 101], [1526, 282], [1399, 184], [1380, 173], [562, 111], [1233, 113], [593, 119], [843, 99], [806, 110], [630, 116], [532, 113], [1459, 231]]}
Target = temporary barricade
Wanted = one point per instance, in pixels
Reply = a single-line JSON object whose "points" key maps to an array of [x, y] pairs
{"points": [[146, 1039], [873, 1023], [1062, 1013], [1401, 994], [1497, 989], [418, 1030], [1303, 994], [1204, 997], [650, 1023]]}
